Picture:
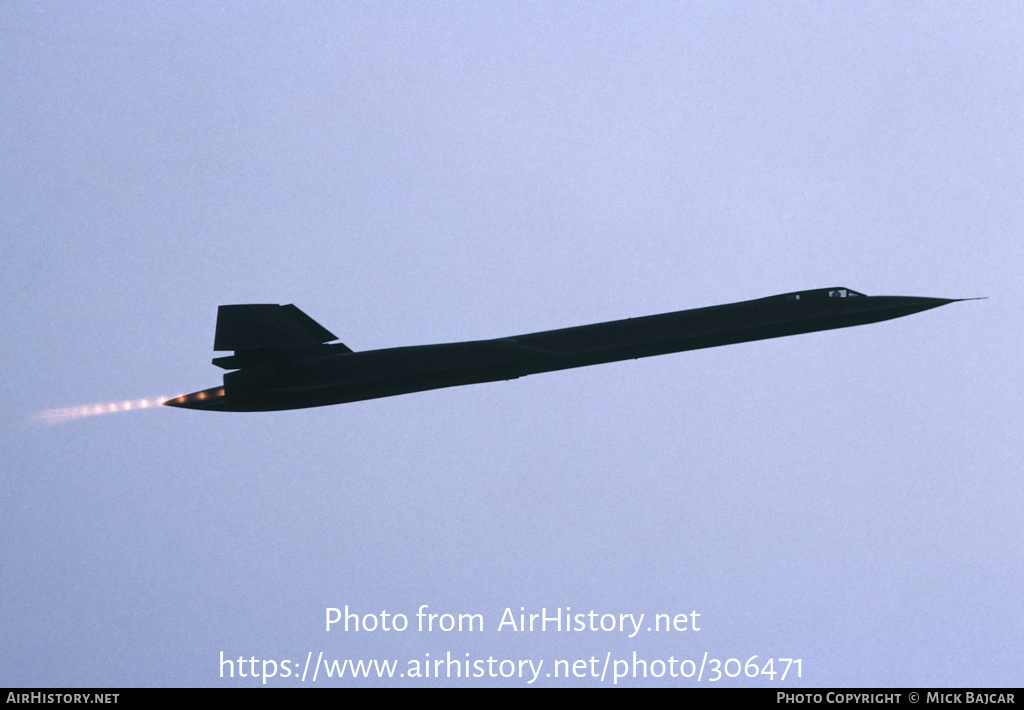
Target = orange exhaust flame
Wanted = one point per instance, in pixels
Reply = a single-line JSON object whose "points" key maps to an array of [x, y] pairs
{"points": [[67, 414]]}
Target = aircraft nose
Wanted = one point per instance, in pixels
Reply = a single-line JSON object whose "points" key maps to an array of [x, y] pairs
{"points": [[936, 302], [916, 304]]}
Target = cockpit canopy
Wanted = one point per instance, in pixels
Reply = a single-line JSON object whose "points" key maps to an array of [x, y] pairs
{"points": [[835, 292]]}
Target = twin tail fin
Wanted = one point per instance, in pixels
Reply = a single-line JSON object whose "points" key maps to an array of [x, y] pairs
{"points": [[259, 332]]}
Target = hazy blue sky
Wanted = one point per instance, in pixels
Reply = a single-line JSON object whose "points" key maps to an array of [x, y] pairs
{"points": [[425, 172]]}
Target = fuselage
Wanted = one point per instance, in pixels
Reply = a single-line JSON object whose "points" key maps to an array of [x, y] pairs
{"points": [[332, 374]]}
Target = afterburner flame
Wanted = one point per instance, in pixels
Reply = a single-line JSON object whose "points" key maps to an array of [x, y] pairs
{"points": [[66, 414]]}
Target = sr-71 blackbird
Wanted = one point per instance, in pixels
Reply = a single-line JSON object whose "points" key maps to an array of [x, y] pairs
{"points": [[283, 359]]}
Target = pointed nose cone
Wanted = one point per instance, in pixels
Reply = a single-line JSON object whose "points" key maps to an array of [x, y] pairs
{"points": [[927, 303], [916, 304], [936, 302]]}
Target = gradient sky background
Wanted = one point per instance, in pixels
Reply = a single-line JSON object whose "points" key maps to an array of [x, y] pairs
{"points": [[410, 173]]}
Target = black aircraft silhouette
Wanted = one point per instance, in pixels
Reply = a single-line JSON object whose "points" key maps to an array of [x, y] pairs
{"points": [[284, 359]]}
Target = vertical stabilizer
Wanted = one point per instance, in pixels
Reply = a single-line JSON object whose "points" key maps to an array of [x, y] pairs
{"points": [[263, 326]]}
